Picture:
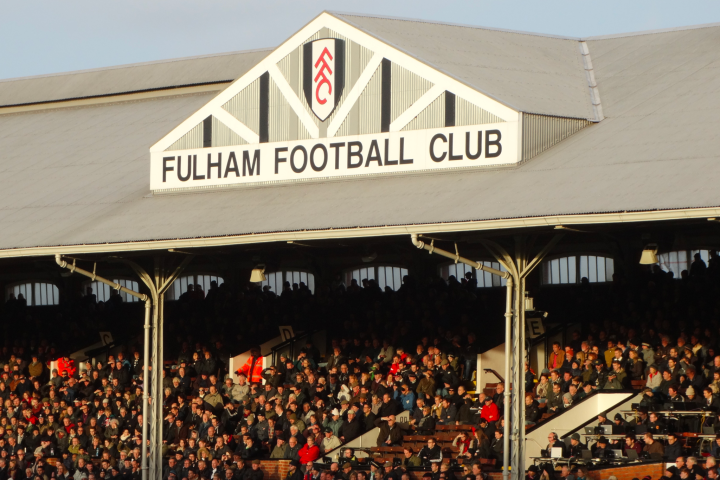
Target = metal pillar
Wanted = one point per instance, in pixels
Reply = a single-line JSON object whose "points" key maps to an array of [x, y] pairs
{"points": [[519, 268], [146, 392], [152, 390], [157, 445], [509, 316]]}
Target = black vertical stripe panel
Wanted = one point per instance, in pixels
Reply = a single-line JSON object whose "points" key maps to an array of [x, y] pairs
{"points": [[339, 69], [449, 109], [207, 132], [307, 72], [385, 106], [264, 107]]}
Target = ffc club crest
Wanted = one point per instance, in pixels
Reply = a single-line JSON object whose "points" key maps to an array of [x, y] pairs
{"points": [[323, 75]]}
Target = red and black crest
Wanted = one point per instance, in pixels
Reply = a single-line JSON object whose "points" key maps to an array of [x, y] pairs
{"points": [[323, 75]]}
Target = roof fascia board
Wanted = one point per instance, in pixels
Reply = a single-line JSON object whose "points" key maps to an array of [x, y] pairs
{"points": [[358, 35], [131, 65], [451, 24], [546, 221], [118, 98]]}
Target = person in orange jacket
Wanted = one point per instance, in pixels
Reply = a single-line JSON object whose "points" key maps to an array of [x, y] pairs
{"points": [[65, 364], [253, 368]]}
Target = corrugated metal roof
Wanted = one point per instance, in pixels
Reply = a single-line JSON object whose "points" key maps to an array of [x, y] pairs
{"points": [[80, 175], [528, 72], [129, 78]]}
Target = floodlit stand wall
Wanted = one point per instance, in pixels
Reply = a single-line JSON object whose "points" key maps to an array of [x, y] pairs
{"points": [[493, 359]]}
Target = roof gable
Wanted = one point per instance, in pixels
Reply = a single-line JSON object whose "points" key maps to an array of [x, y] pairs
{"points": [[374, 50], [528, 72]]}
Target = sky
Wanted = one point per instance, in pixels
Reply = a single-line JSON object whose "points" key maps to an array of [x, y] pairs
{"points": [[49, 36]]}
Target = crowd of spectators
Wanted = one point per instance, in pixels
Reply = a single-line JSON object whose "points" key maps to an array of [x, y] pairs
{"points": [[391, 352], [84, 420]]}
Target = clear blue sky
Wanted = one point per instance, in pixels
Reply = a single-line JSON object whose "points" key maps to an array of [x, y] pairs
{"points": [[48, 36]]}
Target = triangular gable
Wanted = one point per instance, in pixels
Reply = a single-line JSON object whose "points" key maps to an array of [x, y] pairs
{"points": [[394, 103], [327, 25]]}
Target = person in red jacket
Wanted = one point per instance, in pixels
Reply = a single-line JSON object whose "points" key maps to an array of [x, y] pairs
{"points": [[309, 452], [253, 368], [489, 411], [65, 364]]}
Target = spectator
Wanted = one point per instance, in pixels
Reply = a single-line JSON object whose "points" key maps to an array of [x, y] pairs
{"points": [[351, 428], [280, 449], [294, 472], [652, 446], [330, 442], [391, 432], [309, 452], [410, 459], [490, 411], [431, 453], [448, 413], [252, 368]]}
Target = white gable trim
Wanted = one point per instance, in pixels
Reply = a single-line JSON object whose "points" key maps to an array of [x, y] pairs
{"points": [[294, 101], [236, 125], [354, 94], [416, 108], [269, 63]]}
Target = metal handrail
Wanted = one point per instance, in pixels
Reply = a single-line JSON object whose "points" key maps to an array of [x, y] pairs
{"points": [[490, 370], [291, 343]]}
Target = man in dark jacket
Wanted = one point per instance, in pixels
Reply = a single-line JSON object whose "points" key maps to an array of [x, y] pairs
{"points": [[207, 366], [431, 453], [368, 417], [351, 428], [389, 406], [122, 374], [532, 410], [426, 425], [673, 449], [448, 377], [254, 473], [601, 448], [496, 447], [272, 377], [294, 472], [448, 413], [576, 446], [391, 432], [600, 377]]}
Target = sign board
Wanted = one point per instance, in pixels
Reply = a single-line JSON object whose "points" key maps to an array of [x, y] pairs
{"points": [[286, 332], [371, 154], [534, 327], [106, 338]]}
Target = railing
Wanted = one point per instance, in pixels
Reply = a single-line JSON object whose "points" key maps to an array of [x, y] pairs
{"points": [[292, 346], [490, 370], [367, 440], [575, 418], [538, 348]]}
